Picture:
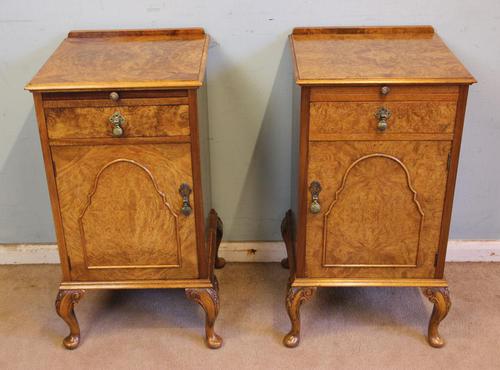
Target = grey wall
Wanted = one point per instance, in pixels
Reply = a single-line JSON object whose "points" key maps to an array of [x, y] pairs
{"points": [[249, 84]]}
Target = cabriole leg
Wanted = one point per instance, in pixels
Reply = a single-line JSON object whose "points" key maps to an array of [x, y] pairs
{"points": [[285, 234], [219, 261], [441, 299], [294, 299], [65, 307], [208, 299]]}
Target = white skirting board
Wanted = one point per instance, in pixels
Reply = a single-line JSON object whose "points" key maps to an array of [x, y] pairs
{"points": [[458, 251]]}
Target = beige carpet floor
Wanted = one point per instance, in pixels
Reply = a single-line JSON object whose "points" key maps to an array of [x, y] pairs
{"points": [[344, 328]]}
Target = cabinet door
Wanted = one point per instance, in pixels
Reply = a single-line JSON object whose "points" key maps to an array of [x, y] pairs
{"points": [[381, 205], [120, 207]]}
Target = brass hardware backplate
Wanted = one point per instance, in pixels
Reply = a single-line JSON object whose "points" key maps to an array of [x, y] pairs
{"points": [[117, 120], [185, 192], [382, 114], [315, 189]]}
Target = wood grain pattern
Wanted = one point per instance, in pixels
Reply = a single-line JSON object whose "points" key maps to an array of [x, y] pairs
{"points": [[140, 121], [120, 209], [359, 117], [129, 60], [376, 219], [155, 215], [392, 200], [361, 55]]}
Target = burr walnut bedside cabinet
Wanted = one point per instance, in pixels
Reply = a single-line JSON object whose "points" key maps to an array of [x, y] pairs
{"points": [[123, 126], [378, 116]]}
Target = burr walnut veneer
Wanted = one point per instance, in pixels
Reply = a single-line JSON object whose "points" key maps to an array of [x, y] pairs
{"points": [[378, 116], [123, 126]]}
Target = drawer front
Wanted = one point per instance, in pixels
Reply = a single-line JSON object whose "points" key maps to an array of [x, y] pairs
{"points": [[385, 93], [121, 211], [412, 117], [380, 212], [138, 121]]}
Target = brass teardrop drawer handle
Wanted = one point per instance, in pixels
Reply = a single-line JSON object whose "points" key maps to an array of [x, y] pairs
{"points": [[315, 189], [185, 192], [383, 114], [117, 121]]}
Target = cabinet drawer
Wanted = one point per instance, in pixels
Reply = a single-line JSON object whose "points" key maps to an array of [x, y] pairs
{"points": [[410, 117], [385, 93], [139, 121]]}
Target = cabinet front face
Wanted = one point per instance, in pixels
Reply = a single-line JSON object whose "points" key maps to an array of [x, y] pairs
{"points": [[121, 211], [381, 204]]}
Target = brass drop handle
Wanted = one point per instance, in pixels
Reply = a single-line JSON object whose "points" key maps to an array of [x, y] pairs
{"points": [[315, 189], [117, 120], [185, 192], [383, 114]]}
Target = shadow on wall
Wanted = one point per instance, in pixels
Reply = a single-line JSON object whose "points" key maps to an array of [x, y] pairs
{"points": [[265, 195], [24, 196]]}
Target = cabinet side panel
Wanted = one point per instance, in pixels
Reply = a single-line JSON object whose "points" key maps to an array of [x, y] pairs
{"points": [[51, 183], [452, 176], [204, 153], [301, 130], [294, 201], [199, 196], [204, 150]]}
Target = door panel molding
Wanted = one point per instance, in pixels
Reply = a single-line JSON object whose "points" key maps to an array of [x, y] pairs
{"points": [[342, 188], [117, 195], [375, 219], [164, 202]]}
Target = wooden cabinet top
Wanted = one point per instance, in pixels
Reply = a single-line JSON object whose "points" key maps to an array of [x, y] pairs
{"points": [[374, 55], [125, 59]]}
